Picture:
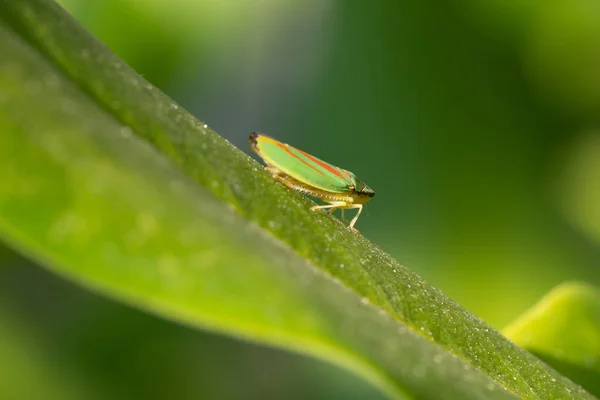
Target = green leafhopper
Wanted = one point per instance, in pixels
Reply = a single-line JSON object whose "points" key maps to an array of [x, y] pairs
{"points": [[307, 174]]}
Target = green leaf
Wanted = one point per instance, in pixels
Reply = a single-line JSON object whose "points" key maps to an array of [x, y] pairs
{"points": [[109, 183], [563, 329]]}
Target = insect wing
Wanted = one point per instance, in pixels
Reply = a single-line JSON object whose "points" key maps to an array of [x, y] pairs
{"points": [[302, 166]]}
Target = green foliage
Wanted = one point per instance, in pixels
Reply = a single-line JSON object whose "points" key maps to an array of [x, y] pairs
{"points": [[563, 329], [109, 183], [29, 364], [580, 188]]}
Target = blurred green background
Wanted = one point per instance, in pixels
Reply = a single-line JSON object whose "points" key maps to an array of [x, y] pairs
{"points": [[475, 123]]}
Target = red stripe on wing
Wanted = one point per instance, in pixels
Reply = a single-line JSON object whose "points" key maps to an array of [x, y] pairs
{"points": [[287, 150], [322, 164]]}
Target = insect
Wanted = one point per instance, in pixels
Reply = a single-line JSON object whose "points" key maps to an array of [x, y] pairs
{"points": [[307, 174]]}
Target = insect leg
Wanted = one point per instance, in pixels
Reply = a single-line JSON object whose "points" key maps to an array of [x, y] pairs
{"points": [[341, 209], [274, 171], [351, 226], [281, 177], [333, 206]]}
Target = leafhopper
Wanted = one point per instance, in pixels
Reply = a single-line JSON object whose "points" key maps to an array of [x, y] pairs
{"points": [[307, 174]]}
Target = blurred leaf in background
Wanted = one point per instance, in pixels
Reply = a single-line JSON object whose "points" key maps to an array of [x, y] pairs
{"points": [[563, 329]]}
